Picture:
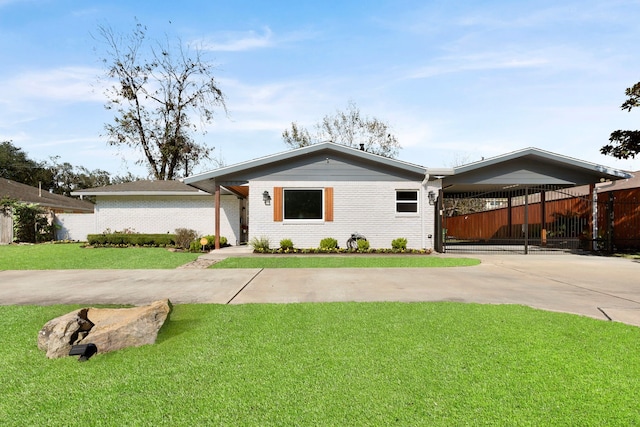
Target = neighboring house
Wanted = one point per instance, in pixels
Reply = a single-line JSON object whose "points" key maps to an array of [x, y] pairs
{"points": [[54, 204], [162, 207]]}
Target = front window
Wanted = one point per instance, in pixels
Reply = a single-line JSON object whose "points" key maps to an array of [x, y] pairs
{"points": [[303, 204], [406, 201]]}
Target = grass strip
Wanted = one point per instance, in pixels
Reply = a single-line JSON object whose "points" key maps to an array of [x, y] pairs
{"points": [[73, 256], [438, 364], [315, 261]]}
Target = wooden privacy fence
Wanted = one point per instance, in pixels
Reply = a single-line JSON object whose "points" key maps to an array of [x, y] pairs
{"points": [[620, 210]]}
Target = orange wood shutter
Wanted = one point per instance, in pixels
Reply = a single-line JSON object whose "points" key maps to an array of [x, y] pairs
{"points": [[277, 204], [328, 204]]}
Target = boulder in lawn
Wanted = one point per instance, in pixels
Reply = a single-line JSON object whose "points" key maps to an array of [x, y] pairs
{"points": [[110, 329]]}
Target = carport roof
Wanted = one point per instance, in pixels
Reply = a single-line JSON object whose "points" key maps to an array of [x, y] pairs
{"points": [[529, 167]]}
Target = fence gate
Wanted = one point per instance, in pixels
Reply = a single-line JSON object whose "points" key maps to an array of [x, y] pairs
{"points": [[6, 227], [527, 220]]}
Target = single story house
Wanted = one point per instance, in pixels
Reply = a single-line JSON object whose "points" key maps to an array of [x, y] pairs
{"points": [[54, 204], [331, 190], [328, 190]]}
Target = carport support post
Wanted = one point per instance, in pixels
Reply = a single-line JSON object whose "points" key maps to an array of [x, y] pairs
{"points": [[217, 220], [526, 220]]}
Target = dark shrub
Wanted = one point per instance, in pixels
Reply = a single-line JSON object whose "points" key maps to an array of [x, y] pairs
{"points": [[184, 237]]}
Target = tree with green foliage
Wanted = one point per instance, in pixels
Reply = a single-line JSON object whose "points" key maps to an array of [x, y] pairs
{"points": [[349, 127], [157, 89], [59, 177], [31, 223], [625, 144], [17, 166]]}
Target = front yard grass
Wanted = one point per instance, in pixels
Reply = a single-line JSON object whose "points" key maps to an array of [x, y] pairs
{"points": [[346, 261], [437, 364], [71, 256]]}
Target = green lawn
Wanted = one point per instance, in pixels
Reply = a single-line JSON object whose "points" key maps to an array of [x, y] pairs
{"points": [[72, 256], [436, 364], [346, 261]]}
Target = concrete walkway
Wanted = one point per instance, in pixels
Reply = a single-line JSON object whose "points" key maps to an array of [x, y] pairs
{"points": [[599, 287]]}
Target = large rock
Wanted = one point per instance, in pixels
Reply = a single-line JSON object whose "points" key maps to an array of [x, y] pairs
{"points": [[58, 335], [109, 329]]}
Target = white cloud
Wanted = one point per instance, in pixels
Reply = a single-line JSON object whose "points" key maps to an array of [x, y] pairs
{"points": [[235, 41], [477, 62], [68, 84]]}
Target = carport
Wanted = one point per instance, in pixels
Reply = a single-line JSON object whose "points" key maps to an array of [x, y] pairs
{"points": [[527, 201]]}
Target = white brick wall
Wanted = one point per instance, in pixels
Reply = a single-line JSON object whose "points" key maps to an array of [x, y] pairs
{"points": [[156, 214], [75, 226], [365, 207]]}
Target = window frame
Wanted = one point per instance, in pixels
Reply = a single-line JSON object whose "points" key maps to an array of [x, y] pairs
{"points": [[407, 202], [307, 220]]}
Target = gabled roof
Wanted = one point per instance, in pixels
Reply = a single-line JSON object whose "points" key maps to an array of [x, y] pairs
{"points": [[526, 167], [548, 156], [143, 188], [197, 180], [28, 194]]}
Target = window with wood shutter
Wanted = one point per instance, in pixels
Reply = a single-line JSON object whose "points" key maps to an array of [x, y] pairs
{"points": [[302, 204]]}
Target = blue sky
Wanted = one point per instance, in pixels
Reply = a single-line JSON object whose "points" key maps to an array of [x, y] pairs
{"points": [[456, 80]]}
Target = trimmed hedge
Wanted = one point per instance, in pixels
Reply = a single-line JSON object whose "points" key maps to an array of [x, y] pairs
{"points": [[121, 239]]}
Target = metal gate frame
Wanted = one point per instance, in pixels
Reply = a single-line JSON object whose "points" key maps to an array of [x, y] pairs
{"points": [[524, 219]]}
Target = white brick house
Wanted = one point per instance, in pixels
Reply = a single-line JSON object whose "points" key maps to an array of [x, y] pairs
{"points": [[162, 207], [330, 190]]}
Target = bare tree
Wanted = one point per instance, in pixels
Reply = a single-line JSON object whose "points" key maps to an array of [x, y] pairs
{"points": [[348, 127], [157, 89]]}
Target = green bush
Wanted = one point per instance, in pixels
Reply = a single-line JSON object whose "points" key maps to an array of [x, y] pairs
{"points": [[211, 239], [260, 244], [119, 239], [286, 244], [31, 223], [363, 245], [195, 246], [184, 237], [399, 244], [328, 243]]}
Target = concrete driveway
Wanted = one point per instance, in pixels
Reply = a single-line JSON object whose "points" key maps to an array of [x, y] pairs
{"points": [[599, 287]]}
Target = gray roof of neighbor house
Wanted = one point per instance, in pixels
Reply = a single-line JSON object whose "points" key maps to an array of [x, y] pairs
{"points": [[144, 188], [28, 194]]}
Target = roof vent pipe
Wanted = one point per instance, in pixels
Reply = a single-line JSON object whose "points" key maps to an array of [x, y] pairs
{"points": [[361, 147]]}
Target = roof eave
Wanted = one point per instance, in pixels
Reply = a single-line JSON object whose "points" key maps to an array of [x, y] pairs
{"points": [[140, 193], [310, 149]]}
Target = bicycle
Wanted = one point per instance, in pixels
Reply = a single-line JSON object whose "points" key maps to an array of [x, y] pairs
{"points": [[352, 243]]}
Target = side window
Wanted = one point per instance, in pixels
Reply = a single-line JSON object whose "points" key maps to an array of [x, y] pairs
{"points": [[406, 201]]}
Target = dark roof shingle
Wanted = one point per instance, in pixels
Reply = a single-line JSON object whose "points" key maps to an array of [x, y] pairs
{"points": [[28, 194]]}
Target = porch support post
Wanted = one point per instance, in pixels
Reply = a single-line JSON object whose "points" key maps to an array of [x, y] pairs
{"points": [[217, 220]]}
